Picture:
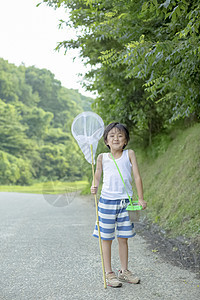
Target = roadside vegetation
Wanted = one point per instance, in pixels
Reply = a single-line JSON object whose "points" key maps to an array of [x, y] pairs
{"points": [[171, 177], [50, 187]]}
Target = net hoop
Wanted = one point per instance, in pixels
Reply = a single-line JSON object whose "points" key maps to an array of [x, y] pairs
{"points": [[87, 129]]}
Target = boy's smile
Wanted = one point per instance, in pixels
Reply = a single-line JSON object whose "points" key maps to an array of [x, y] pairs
{"points": [[116, 139]]}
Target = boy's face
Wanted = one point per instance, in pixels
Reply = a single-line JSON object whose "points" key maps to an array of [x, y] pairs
{"points": [[116, 139]]}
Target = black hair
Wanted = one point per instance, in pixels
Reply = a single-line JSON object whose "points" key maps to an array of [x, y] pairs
{"points": [[119, 126]]}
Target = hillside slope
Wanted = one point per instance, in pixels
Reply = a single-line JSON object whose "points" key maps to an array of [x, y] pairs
{"points": [[36, 113], [172, 184]]}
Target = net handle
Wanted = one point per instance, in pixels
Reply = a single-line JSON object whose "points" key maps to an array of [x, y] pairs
{"points": [[97, 221]]}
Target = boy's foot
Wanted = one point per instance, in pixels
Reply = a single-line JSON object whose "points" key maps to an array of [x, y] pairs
{"points": [[127, 276], [111, 280]]}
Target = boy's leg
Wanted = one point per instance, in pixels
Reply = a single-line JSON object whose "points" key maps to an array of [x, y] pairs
{"points": [[111, 278], [124, 274], [123, 253], [106, 247]]}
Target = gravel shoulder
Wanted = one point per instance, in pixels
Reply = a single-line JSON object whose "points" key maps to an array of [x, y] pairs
{"points": [[47, 252]]}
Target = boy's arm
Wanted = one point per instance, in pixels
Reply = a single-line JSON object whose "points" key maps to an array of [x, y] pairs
{"points": [[137, 178], [97, 175]]}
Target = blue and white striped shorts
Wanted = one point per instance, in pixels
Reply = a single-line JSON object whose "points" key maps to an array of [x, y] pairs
{"points": [[113, 214]]}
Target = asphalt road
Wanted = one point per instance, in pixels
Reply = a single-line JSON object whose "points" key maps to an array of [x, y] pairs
{"points": [[47, 252]]}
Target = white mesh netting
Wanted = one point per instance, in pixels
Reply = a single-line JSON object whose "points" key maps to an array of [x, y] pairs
{"points": [[87, 129]]}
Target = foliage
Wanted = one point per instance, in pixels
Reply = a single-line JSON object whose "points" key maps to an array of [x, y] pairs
{"points": [[36, 113], [171, 182], [12, 132], [144, 57], [14, 170]]}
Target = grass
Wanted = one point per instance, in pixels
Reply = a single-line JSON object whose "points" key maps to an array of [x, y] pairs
{"points": [[172, 185], [51, 187]]}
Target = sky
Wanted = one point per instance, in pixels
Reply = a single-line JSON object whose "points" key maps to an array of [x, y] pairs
{"points": [[29, 35]]}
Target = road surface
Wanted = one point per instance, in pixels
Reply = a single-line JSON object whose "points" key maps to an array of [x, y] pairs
{"points": [[47, 252]]}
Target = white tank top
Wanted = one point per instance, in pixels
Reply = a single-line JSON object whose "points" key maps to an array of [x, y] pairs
{"points": [[113, 187]]}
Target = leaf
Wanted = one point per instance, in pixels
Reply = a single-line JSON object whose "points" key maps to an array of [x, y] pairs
{"points": [[165, 4], [145, 6], [123, 15], [155, 250], [155, 2], [176, 12]]}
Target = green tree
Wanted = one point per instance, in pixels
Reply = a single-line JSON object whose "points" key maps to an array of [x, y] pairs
{"points": [[14, 170], [144, 57], [12, 132], [37, 121]]}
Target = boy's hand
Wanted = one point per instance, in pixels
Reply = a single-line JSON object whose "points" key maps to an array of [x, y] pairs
{"points": [[94, 189], [142, 203]]}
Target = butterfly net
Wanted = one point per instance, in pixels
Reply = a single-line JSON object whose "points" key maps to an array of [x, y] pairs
{"points": [[87, 129]]}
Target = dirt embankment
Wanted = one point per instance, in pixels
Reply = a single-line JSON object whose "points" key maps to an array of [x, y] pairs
{"points": [[179, 251]]}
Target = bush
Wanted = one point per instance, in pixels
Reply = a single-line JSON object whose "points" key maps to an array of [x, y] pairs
{"points": [[14, 170]]}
